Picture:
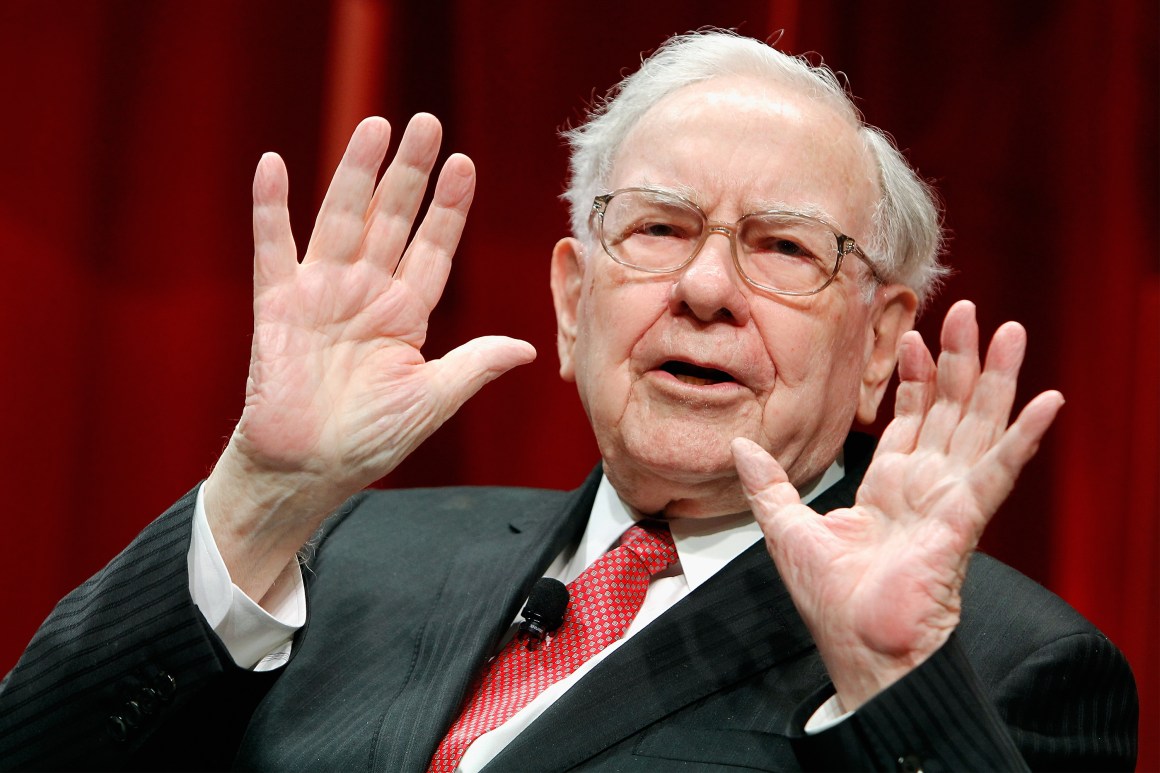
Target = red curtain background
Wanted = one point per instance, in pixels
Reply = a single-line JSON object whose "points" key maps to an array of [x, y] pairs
{"points": [[131, 130]]}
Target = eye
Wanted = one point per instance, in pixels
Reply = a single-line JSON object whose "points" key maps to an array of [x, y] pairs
{"points": [[788, 248], [660, 229], [652, 227], [782, 247], [786, 238], [661, 220]]}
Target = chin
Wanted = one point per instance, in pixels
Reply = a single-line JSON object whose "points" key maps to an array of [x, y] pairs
{"points": [[683, 475], [685, 445], [682, 456]]}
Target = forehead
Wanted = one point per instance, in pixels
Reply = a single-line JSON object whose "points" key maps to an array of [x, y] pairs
{"points": [[741, 144]]}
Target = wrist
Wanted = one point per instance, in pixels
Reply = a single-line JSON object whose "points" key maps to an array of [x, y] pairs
{"points": [[859, 673], [261, 517]]}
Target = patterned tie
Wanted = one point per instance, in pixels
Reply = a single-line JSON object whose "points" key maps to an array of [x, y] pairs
{"points": [[603, 600]]}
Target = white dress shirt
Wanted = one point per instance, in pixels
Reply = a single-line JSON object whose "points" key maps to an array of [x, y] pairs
{"points": [[261, 639]]}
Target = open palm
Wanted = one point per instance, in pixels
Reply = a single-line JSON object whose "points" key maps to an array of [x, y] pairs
{"points": [[878, 584], [338, 391]]}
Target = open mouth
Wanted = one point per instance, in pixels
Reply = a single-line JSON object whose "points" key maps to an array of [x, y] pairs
{"points": [[694, 374]]}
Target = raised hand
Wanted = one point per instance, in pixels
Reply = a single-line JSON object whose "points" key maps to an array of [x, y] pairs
{"points": [[878, 584], [338, 391]]}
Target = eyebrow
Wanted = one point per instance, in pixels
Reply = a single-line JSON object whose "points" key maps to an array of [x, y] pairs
{"points": [[684, 191], [760, 205], [810, 210]]}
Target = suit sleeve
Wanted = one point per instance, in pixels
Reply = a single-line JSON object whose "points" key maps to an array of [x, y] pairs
{"points": [[124, 672], [1070, 705]]}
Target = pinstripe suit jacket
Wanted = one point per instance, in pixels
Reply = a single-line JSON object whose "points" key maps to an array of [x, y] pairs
{"points": [[410, 590]]}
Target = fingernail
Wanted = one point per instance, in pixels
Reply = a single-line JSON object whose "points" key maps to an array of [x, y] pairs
{"points": [[457, 182]]}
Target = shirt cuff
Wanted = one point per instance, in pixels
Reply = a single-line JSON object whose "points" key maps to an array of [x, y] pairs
{"points": [[256, 638], [828, 715]]}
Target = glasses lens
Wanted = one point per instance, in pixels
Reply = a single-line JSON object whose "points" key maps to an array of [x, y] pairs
{"points": [[650, 230], [781, 251]]}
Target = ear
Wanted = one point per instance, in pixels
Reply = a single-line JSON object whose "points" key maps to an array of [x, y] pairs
{"points": [[567, 281], [895, 310]]}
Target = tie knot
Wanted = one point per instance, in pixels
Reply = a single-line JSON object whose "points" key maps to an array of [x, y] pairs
{"points": [[652, 542]]}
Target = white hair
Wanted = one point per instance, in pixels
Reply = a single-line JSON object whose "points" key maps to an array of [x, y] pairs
{"points": [[907, 238]]}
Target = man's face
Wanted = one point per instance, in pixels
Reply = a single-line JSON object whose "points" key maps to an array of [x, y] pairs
{"points": [[640, 346]]}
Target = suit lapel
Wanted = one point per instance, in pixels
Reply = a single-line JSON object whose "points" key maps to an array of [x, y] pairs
{"points": [[740, 622], [470, 614]]}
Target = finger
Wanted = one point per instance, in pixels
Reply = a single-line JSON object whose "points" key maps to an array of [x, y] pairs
{"points": [[338, 230], [994, 395], [993, 477], [776, 505], [916, 390], [400, 193], [763, 480], [958, 370], [275, 256], [465, 370], [428, 258]]}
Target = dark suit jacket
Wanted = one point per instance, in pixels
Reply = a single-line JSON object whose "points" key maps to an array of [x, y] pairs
{"points": [[409, 592]]}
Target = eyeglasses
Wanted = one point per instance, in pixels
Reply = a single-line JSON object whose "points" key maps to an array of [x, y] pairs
{"points": [[782, 252]]}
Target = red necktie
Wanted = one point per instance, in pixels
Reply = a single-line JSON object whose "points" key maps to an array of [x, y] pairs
{"points": [[602, 602]]}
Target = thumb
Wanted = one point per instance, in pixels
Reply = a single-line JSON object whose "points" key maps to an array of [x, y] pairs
{"points": [[464, 370], [762, 479], [766, 486]]}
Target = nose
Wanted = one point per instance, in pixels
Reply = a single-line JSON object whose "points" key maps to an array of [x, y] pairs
{"points": [[710, 287]]}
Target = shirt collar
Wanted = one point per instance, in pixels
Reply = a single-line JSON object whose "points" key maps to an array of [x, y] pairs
{"points": [[704, 545]]}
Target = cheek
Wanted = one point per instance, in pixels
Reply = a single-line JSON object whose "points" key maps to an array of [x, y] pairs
{"points": [[806, 342], [818, 356], [613, 317]]}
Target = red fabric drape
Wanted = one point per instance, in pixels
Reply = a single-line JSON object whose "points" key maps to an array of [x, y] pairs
{"points": [[131, 131]]}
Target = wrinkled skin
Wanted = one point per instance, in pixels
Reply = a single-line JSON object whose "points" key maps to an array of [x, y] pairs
{"points": [[877, 584], [799, 368], [339, 392]]}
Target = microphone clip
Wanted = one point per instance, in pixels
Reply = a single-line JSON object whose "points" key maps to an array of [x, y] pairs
{"points": [[544, 612]]}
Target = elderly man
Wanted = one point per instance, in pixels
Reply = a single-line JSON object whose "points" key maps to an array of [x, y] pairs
{"points": [[746, 263]]}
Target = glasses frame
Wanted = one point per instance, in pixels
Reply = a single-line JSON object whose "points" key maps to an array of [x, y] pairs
{"points": [[844, 245]]}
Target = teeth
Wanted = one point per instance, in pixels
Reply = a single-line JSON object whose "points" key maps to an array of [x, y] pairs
{"points": [[694, 374], [694, 380]]}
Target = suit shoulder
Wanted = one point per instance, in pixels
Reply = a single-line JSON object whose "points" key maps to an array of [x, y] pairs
{"points": [[455, 501], [1007, 616], [452, 514], [1001, 591], [1049, 672]]}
